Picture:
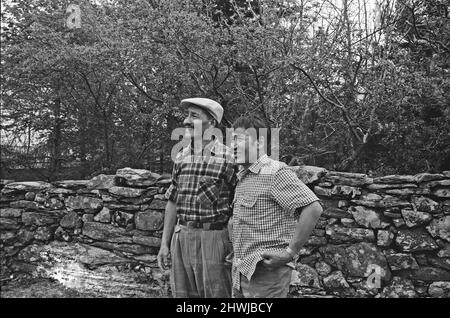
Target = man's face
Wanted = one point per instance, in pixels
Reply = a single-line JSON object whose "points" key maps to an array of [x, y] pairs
{"points": [[245, 146], [196, 117]]}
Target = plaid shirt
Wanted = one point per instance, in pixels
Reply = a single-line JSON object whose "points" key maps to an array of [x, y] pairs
{"points": [[265, 212], [203, 187]]}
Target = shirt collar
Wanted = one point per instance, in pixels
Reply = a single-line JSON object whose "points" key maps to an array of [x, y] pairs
{"points": [[254, 167], [212, 147]]}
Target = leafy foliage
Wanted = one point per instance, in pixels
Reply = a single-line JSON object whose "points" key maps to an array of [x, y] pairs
{"points": [[106, 95]]}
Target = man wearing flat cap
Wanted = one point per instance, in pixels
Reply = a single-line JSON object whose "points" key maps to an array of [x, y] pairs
{"points": [[198, 209]]}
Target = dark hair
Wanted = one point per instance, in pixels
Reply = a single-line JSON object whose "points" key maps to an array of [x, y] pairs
{"points": [[254, 121]]}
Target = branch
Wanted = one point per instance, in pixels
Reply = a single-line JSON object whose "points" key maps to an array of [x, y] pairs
{"points": [[339, 106], [136, 84], [260, 95]]}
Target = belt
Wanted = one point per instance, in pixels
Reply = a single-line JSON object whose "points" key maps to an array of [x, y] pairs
{"points": [[203, 225]]}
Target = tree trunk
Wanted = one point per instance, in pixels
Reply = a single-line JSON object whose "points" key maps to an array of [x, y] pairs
{"points": [[106, 140], [82, 122], [55, 160]]}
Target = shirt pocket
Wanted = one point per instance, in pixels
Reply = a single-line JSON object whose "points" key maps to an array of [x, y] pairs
{"points": [[209, 190], [247, 202]]}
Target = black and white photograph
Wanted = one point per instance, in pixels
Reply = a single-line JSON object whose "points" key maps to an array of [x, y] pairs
{"points": [[225, 154]]}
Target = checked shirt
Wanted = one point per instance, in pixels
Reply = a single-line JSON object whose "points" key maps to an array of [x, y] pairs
{"points": [[203, 184], [266, 200]]}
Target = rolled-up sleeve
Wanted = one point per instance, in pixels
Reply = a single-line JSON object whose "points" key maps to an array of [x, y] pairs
{"points": [[172, 191], [290, 192]]}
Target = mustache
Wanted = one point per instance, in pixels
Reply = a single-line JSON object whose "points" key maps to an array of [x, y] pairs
{"points": [[188, 126]]}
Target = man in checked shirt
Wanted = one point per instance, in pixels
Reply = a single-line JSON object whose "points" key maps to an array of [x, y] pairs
{"points": [[274, 214], [198, 209]]}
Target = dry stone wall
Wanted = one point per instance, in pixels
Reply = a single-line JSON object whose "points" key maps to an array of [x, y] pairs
{"points": [[378, 237]]}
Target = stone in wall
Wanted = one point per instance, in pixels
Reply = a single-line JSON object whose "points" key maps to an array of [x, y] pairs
{"points": [[138, 177], [4, 182], [393, 213], [24, 237], [439, 290], [322, 268], [430, 274], [147, 240], [29, 205], [71, 221], [433, 184], [122, 207], [158, 204], [424, 177], [387, 201], [104, 216], [403, 193], [445, 206], [383, 186], [348, 222], [60, 191], [399, 288], [384, 238], [7, 237], [9, 224], [44, 233], [126, 192], [309, 174], [123, 219], [356, 260], [84, 203], [369, 199], [71, 184], [30, 196], [445, 251], [106, 232], [40, 218], [439, 262], [394, 179], [316, 241], [164, 182], [335, 280], [102, 181], [421, 203], [441, 193], [126, 248], [398, 222], [87, 218], [391, 201], [415, 240], [367, 217], [346, 178], [440, 228], [149, 220], [11, 196], [340, 234], [53, 204], [415, 218], [399, 261], [305, 276], [323, 192], [345, 191], [27, 186], [139, 200], [62, 235], [335, 213]]}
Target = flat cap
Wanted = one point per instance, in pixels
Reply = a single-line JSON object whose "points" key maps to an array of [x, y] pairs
{"points": [[212, 107]]}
